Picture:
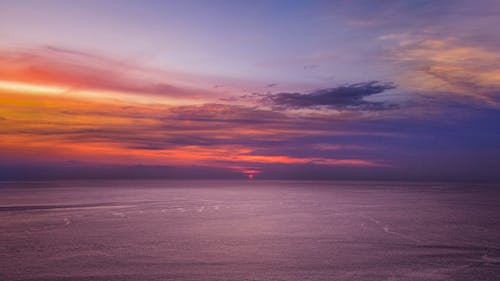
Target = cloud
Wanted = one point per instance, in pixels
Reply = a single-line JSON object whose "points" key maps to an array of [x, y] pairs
{"points": [[448, 65], [85, 70], [343, 97], [222, 135], [215, 112], [310, 66]]}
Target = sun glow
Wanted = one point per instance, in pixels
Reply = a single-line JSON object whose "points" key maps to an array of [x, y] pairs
{"points": [[19, 87]]}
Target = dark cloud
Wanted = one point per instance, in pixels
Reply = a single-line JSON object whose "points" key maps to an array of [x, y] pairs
{"points": [[310, 66], [167, 128], [224, 113], [342, 97]]}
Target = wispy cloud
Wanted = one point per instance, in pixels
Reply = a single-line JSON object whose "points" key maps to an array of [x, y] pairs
{"points": [[349, 126], [448, 65], [79, 70], [112, 131]]}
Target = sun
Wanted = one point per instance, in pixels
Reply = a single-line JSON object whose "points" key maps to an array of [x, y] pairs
{"points": [[249, 172]]}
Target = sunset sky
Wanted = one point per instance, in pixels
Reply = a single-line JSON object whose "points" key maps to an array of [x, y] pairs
{"points": [[405, 90]]}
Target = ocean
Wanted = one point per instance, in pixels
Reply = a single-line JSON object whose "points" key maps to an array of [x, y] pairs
{"points": [[249, 230]]}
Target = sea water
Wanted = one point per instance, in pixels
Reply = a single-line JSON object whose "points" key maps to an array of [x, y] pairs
{"points": [[249, 230]]}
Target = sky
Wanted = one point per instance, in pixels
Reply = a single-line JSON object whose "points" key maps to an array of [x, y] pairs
{"points": [[369, 90]]}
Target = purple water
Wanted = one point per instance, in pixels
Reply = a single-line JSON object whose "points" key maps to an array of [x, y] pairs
{"points": [[249, 230]]}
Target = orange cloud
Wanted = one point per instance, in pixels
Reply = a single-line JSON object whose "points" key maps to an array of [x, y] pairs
{"points": [[447, 65], [48, 126], [87, 72], [60, 104]]}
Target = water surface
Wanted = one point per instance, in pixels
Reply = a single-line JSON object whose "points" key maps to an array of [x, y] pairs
{"points": [[248, 230]]}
